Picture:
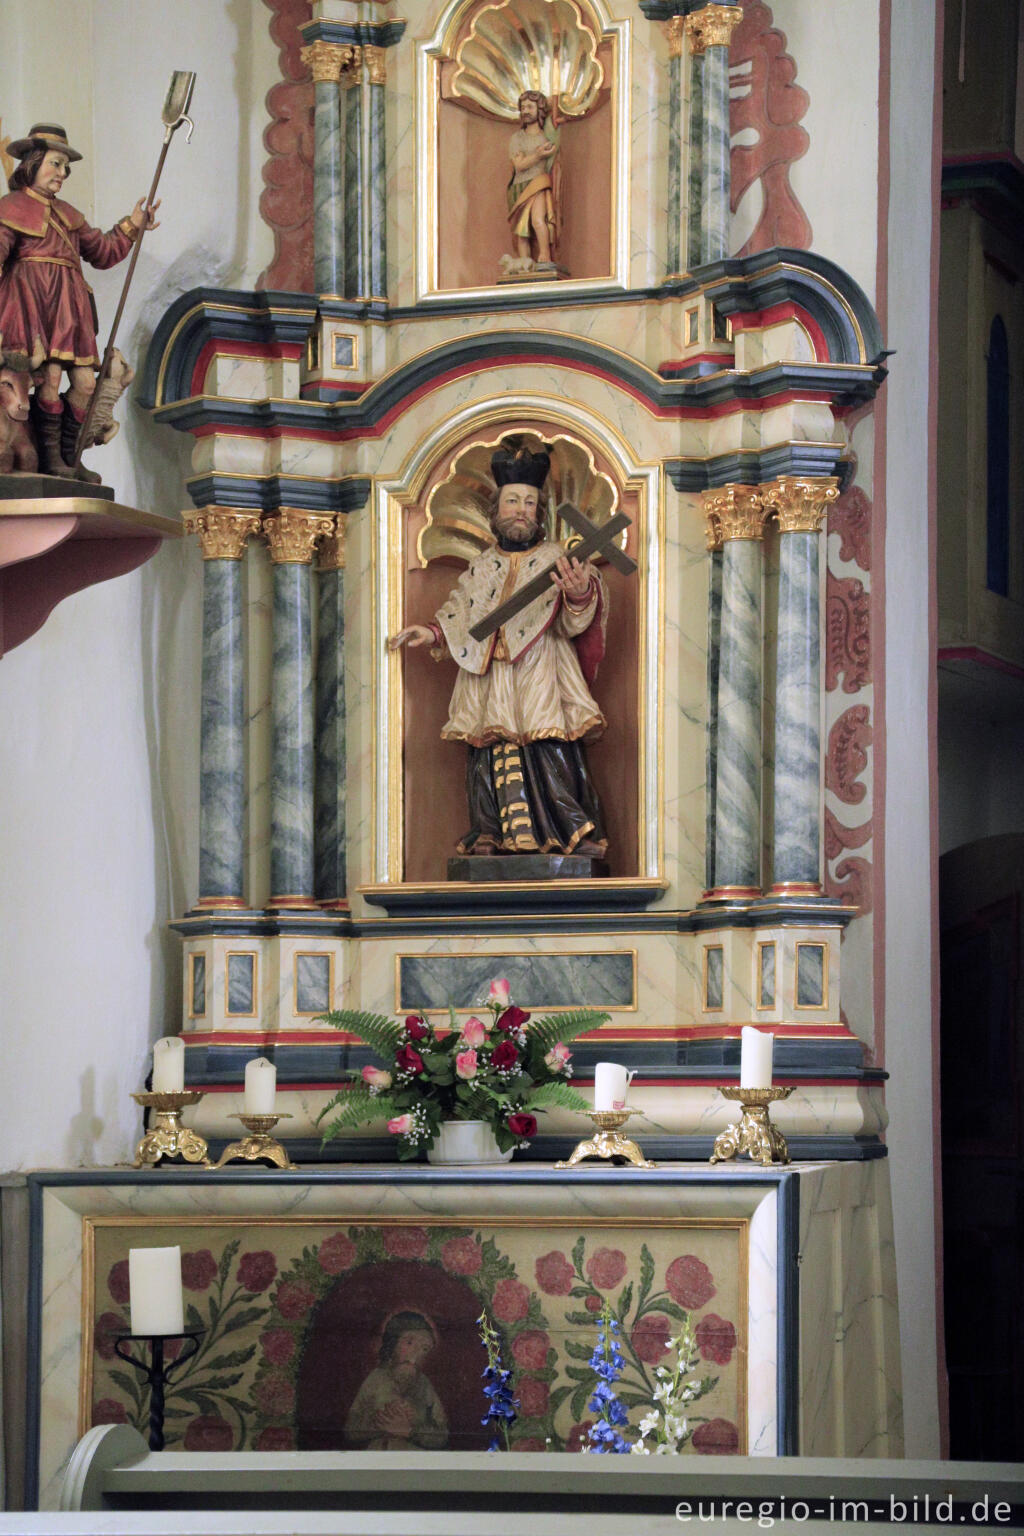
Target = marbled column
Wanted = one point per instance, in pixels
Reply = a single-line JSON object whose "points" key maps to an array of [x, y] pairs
{"points": [[737, 794], [695, 161], [223, 533], [356, 284], [327, 60], [329, 798], [714, 540], [377, 189], [292, 536], [800, 506], [673, 247], [709, 31]]}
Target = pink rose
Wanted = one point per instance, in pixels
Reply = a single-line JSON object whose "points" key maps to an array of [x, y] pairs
{"points": [[555, 1274], [473, 1032], [606, 1267], [376, 1077], [294, 1299], [716, 1438], [405, 1242], [256, 1271], [716, 1338], [531, 1443], [198, 1270], [117, 1282], [274, 1396], [109, 1327], [557, 1059], [533, 1398], [278, 1345], [510, 1302], [593, 1303], [209, 1433], [651, 1337], [530, 1349], [336, 1254], [278, 1437], [400, 1125], [465, 1065], [500, 992], [109, 1411], [689, 1282], [462, 1256]]}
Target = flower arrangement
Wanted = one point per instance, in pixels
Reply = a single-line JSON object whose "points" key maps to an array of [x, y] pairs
{"points": [[501, 1408], [665, 1430], [502, 1069], [605, 1435]]}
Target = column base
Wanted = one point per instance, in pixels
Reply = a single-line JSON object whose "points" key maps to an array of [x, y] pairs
{"points": [[293, 904], [732, 893], [334, 904], [796, 888], [221, 904]]}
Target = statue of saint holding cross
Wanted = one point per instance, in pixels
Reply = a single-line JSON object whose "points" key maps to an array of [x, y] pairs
{"points": [[526, 626]]}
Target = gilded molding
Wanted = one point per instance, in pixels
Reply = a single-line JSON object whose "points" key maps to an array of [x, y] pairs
{"points": [[675, 31], [327, 60], [712, 27], [352, 70], [375, 59], [738, 510], [799, 505], [712, 530], [223, 531], [331, 550], [293, 534]]}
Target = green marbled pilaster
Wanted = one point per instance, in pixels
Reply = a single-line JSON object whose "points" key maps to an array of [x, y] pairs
{"points": [[291, 792], [329, 812]]}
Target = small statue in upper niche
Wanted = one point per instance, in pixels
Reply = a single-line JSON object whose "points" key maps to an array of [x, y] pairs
{"points": [[534, 190]]}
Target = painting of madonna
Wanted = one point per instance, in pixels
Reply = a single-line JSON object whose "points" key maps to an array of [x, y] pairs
{"points": [[396, 1407]]}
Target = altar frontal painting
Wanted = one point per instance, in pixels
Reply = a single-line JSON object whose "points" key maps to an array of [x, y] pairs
{"points": [[363, 1335]]}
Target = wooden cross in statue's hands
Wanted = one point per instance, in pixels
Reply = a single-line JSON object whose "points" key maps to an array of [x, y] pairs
{"points": [[597, 540]]}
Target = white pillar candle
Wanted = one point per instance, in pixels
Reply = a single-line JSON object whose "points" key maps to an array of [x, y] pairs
{"points": [[610, 1084], [169, 1065], [260, 1086], [154, 1283], [756, 1058]]}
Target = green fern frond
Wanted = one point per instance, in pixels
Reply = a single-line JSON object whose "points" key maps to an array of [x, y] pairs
{"points": [[546, 1032], [557, 1096], [380, 1033], [357, 1106]]}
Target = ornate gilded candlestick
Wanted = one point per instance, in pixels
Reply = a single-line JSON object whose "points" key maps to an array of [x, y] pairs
{"points": [[168, 1137], [608, 1143], [755, 1133], [157, 1372], [259, 1144]]}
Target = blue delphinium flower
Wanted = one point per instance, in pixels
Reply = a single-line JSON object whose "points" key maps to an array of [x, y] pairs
{"points": [[607, 1363], [501, 1408]]}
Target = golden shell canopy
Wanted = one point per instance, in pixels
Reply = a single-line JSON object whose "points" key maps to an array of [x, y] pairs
{"points": [[529, 45]]}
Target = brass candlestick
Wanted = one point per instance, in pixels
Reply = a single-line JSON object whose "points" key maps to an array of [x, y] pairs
{"points": [[259, 1144], [755, 1133], [168, 1137], [608, 1143]]}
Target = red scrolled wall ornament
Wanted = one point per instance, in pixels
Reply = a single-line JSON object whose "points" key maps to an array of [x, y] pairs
{"points": [[769, 103], [287, 200]]}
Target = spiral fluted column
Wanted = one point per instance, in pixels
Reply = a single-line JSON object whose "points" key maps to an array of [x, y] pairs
{"points": [[327, 61], [709, 32], [329, 794]]}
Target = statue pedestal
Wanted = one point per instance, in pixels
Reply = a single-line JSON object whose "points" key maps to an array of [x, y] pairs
{"points": [[526, 866]]}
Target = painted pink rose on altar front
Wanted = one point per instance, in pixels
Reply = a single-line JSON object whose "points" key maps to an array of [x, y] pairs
{"points": [[510, 1302], [716, 1338], [278, 1345], [257, 1271], [277, 1437], [651, 1337], [294, 1299], [462, 1256], [209, 1433], [274, 1396], [530, 1349], [405, 1242], [109, 1326], [117, 1282], [336, 1254], [109, 1411], [606, 1268], [554, 1273], [689, 1282], [533, 1398], [593, 1303], [198, 1270], [530, 1444], [716, 1438]]}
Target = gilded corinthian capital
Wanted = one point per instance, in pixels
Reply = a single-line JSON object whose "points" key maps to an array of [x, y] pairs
{"points": [[675, 31], [331, 551], [327, 60], [800, 504], [712, 27], [293, 534], [375, 59], [735, 511], [223, 531]]}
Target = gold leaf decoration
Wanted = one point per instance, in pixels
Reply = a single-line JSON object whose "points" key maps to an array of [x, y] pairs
{"points": [[529, 45]]}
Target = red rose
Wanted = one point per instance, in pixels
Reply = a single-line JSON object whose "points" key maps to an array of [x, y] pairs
{"points": [[278, 1437], [209, 1433], [716, 1338], [278, 1345], [256, 1271], [274, 1396], [579, 1436], [530, 1349], [530, 1444], [554, 1273], [294, 1299], [522, 1125], [117, 1282], [109, 1326], [462, 1256], [336, 1254], [415, 1027], [405, 1242], [593, 1303], [606, 1267], [651, 1337], [689, 1282], [172, 1349], [716, 1438], [510, 1302], [198, 1270], [109, 1411], [511, 1019], [408, 1060], [504, 1055], [533, 1397]]}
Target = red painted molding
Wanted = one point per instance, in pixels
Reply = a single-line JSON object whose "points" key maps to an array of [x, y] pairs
{"points": [[773, 108]]}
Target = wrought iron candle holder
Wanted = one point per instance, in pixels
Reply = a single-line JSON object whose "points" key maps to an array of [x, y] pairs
{"points": [[607, 1143], [168, 1137], [258, 1145], [755, 1135], [157, 1371]]}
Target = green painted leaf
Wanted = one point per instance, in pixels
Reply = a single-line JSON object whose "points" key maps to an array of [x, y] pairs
{"points": [[578, 1349], [579, 1373], [579, 1248]]}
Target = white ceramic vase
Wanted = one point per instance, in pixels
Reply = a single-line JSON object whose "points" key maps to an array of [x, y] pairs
{"points": [[467, 1141]]}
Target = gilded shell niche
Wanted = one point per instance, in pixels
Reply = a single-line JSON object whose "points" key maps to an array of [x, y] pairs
{"points": [[458, 507], [529, 45]]}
